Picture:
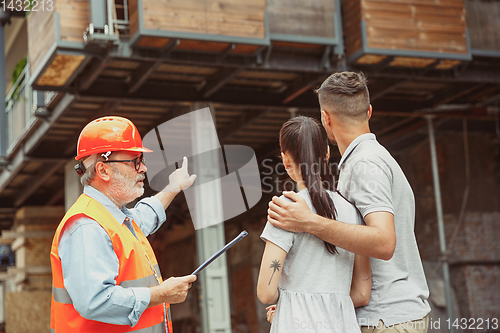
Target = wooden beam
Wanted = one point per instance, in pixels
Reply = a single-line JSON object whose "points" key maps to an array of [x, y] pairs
{"points": [[141, 75], [91, 74], [58, 195], [383, 64], [394, 126], [454, 92], [145, 70], [303, 84], [219, 79], [403, 132], [477, 114], [385, 87], [245, 120], [474, 73], [7, 212], [491, 99], [36, 182], [226, 52]]}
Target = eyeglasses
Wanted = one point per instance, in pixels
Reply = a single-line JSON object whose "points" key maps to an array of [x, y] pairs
{"points": [[137, 161]]}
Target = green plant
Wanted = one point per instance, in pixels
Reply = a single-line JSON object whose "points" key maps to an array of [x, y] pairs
{"points": [[18, 69], [16, 73], [31, 4]]}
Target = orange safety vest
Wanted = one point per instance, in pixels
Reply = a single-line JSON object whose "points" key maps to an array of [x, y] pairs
{"points": [[136, 259]]}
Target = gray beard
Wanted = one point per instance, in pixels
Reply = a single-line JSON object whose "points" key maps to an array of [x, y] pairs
{"points": [[119, 192]]}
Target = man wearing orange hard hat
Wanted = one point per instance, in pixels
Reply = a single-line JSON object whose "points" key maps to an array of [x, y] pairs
{"points": [[105, 277]]}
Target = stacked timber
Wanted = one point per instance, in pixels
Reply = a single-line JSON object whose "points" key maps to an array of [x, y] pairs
{"points": [[50, 28], [243, 18], [200, 25], [312, 18], [409, 33], [484, 26], [29, 283]]}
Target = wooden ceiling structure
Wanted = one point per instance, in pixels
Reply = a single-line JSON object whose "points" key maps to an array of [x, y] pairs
{"points": [[256, 68]]}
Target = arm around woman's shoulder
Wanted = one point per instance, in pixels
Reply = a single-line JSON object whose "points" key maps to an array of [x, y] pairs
{"points": [[361, 281]]}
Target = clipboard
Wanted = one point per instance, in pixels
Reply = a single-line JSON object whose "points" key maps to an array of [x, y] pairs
{"points": [[229, 245]]}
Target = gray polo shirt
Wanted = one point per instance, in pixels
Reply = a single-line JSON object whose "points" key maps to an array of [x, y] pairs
{"points": [[372, 179]]}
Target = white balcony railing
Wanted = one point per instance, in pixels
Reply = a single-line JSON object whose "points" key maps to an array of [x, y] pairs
{"points": [[20, 108]]}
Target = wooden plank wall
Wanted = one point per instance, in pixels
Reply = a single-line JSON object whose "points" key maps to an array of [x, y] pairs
{"points": [[351, 25], [420, 25], [74, 18], [302, 17], [244, 18], [41, 37], [483, 21]]}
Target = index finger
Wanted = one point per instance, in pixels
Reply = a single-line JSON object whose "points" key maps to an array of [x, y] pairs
{"points": [[279, 201], [184, 163]]}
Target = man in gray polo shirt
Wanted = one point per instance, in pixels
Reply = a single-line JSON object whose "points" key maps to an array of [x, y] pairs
{"points": [[373, 181]]}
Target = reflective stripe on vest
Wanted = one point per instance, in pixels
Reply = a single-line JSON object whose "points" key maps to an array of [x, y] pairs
{"points": [[61, 295], [153, 329]]}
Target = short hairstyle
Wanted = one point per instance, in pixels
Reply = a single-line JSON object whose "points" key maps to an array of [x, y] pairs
{"points": [[345, 95], [89, 175], [90, 171]]}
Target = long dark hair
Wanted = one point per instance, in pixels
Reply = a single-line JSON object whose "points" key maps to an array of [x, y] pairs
{"points": [[305, 140]]}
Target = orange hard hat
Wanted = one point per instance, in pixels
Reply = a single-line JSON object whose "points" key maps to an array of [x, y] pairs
{"points": [[109, 134]]}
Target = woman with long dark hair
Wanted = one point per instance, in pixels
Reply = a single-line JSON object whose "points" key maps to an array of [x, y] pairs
{"points": [[315, 284]]}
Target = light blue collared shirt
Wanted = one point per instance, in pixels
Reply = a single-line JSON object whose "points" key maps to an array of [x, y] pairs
{"points": [[90, 265]]}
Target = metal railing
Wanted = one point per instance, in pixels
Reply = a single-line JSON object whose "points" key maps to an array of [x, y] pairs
{"points": [[120, 17], [109, 21], [21, 104], [18, 108]]}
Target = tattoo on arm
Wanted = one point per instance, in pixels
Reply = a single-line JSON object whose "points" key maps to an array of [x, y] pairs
{"points": [[368, 278], [276, 266]]}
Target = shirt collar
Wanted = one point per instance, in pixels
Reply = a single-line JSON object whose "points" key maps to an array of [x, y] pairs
{"points": [[354, 144], [118, 214]]}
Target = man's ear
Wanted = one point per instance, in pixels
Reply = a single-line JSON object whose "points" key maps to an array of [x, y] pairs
{"points": [[101, 171], [325, 118], [369, 114]]}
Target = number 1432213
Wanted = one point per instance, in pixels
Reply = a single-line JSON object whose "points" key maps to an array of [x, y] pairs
{"points": [[27, 5]]}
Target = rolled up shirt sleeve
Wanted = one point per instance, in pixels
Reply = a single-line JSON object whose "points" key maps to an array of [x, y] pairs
{"points": [[90, 267], [148, 213]]}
